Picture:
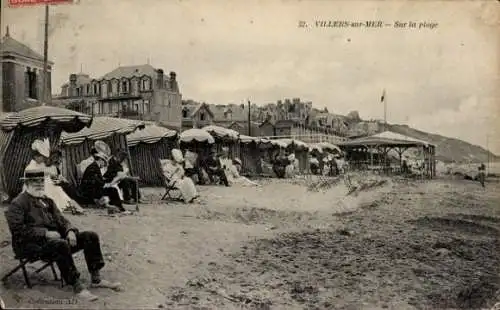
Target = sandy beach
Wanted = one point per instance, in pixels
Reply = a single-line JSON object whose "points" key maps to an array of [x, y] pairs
{"points": [[404, 244]]}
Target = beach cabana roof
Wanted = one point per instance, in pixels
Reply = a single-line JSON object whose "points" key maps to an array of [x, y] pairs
{"points": [[388, 138], [68, 120], [102, 127], [280, 143], [287, 142], [221, 132], [329, 146], [195, 134], [150, 134], [248, 139]]}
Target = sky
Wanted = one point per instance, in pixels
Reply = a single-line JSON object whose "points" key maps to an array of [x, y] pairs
{"points": [[442, 80]]}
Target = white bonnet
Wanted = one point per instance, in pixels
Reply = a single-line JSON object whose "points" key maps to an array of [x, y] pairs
{"points": [[42, 147], [177, 155]]}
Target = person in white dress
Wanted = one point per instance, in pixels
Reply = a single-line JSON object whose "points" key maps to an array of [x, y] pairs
{"points": [[41, 154], [174, 171]]}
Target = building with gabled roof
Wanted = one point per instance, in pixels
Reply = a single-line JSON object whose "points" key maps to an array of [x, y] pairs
{"points": [[22, 75], [135, 92]]}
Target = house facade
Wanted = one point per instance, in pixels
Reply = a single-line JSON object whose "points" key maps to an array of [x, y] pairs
{"points": [[135, 92], [196, 115], [22, 76]]}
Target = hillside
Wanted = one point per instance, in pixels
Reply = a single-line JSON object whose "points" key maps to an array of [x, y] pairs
{"points": [[448, 149]]}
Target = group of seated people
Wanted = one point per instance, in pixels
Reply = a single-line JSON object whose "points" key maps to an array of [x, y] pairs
{"points": [[104, 181], [285, 165], [330, 165], [188, 168]]}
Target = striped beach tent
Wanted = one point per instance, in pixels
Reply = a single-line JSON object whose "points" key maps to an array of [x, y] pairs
{"points": [[18, 130], [76, 147], [146, 148]]}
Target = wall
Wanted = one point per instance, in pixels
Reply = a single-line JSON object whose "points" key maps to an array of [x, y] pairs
{"points": [[267, 129], [167, 108], [14, 92]]}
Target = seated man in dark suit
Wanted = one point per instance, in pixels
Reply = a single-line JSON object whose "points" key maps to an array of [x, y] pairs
{"points": [[127, 184], [39, 230], [93, 186]]}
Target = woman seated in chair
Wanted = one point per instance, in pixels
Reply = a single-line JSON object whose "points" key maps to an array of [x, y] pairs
{"points": [[233, 170], [174, 173], [41, 155]]}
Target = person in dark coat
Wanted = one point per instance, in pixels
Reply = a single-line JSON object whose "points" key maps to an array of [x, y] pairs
{"points": [[39, 230], [213, 167], [127, 184], [92, 185]]}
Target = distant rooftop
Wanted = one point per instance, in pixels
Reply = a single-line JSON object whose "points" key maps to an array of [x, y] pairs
{"points": [[10, 45]]}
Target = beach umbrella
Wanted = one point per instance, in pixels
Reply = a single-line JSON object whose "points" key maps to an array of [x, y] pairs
{"points": [[18, 130], [197, 135]]}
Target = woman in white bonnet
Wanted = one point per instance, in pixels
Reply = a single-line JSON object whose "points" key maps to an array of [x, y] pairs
{"points": [[41, 154], [175, 172]]}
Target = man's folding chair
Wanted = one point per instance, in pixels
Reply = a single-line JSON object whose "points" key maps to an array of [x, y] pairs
{"points": [[23, 262]]}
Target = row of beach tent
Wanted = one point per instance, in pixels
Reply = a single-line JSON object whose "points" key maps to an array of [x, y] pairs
{"points": [[74, 134]]}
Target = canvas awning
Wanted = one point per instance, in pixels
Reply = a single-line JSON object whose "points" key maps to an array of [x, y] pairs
{"points": [[150, 134], [102, 127], [221, 132], [68, 120], [248, 139], [195, 134]]}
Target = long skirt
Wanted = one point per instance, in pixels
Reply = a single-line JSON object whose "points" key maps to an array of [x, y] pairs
{"points": [[187, 188]]}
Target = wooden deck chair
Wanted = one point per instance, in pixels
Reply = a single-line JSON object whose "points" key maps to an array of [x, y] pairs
{"points": [[170, 187]]}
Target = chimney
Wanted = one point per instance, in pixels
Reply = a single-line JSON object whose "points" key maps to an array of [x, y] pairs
{"points": [[173, 82], [72, 85], [159, 79]]}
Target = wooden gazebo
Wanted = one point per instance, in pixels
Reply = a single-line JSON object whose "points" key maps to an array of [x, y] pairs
{"points": [[375, 151]]}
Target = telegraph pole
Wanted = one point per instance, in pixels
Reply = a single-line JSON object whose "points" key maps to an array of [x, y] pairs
{"points": [[488, 152], [249, 120], [44, 97]]}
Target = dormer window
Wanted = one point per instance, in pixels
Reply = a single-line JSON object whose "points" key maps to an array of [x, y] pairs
{"points": [[124, 86], [146, 84], [185, 113], [202, 116]]}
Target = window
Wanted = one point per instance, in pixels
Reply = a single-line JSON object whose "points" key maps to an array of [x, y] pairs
{"points": [[31, 81], [78, 91], [146, 84], [146, 106], [96, 89], [88, 89], [124, 86], [202, 116], [184, 113]]}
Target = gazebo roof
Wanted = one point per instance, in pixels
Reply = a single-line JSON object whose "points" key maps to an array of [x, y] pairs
{"points": [[387, 138]]}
